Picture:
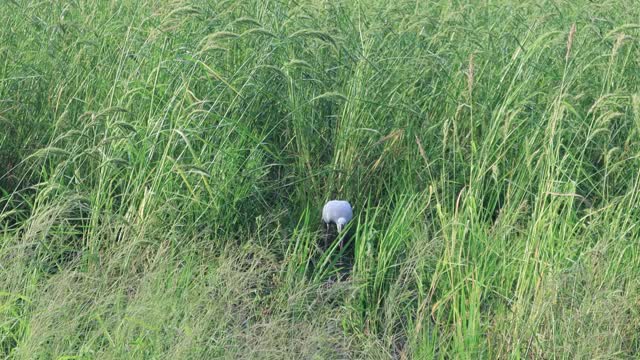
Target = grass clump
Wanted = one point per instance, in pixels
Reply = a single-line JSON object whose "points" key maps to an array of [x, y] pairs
{"points": [[163, 165]]}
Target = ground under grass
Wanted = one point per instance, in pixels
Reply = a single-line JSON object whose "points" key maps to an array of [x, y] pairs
{"points": [[163, 165]]}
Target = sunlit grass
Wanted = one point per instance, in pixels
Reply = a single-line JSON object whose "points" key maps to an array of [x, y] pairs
{"points": [[163, 166]]}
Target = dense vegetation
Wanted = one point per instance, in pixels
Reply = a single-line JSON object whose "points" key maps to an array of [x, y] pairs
{"points": [[163, 165]]}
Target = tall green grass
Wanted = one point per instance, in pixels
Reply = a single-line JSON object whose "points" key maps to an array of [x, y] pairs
{"points": [[163, 165]]}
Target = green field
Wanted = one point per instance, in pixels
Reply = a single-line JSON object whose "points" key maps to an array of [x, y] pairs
{"points": [[163, 166]]}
